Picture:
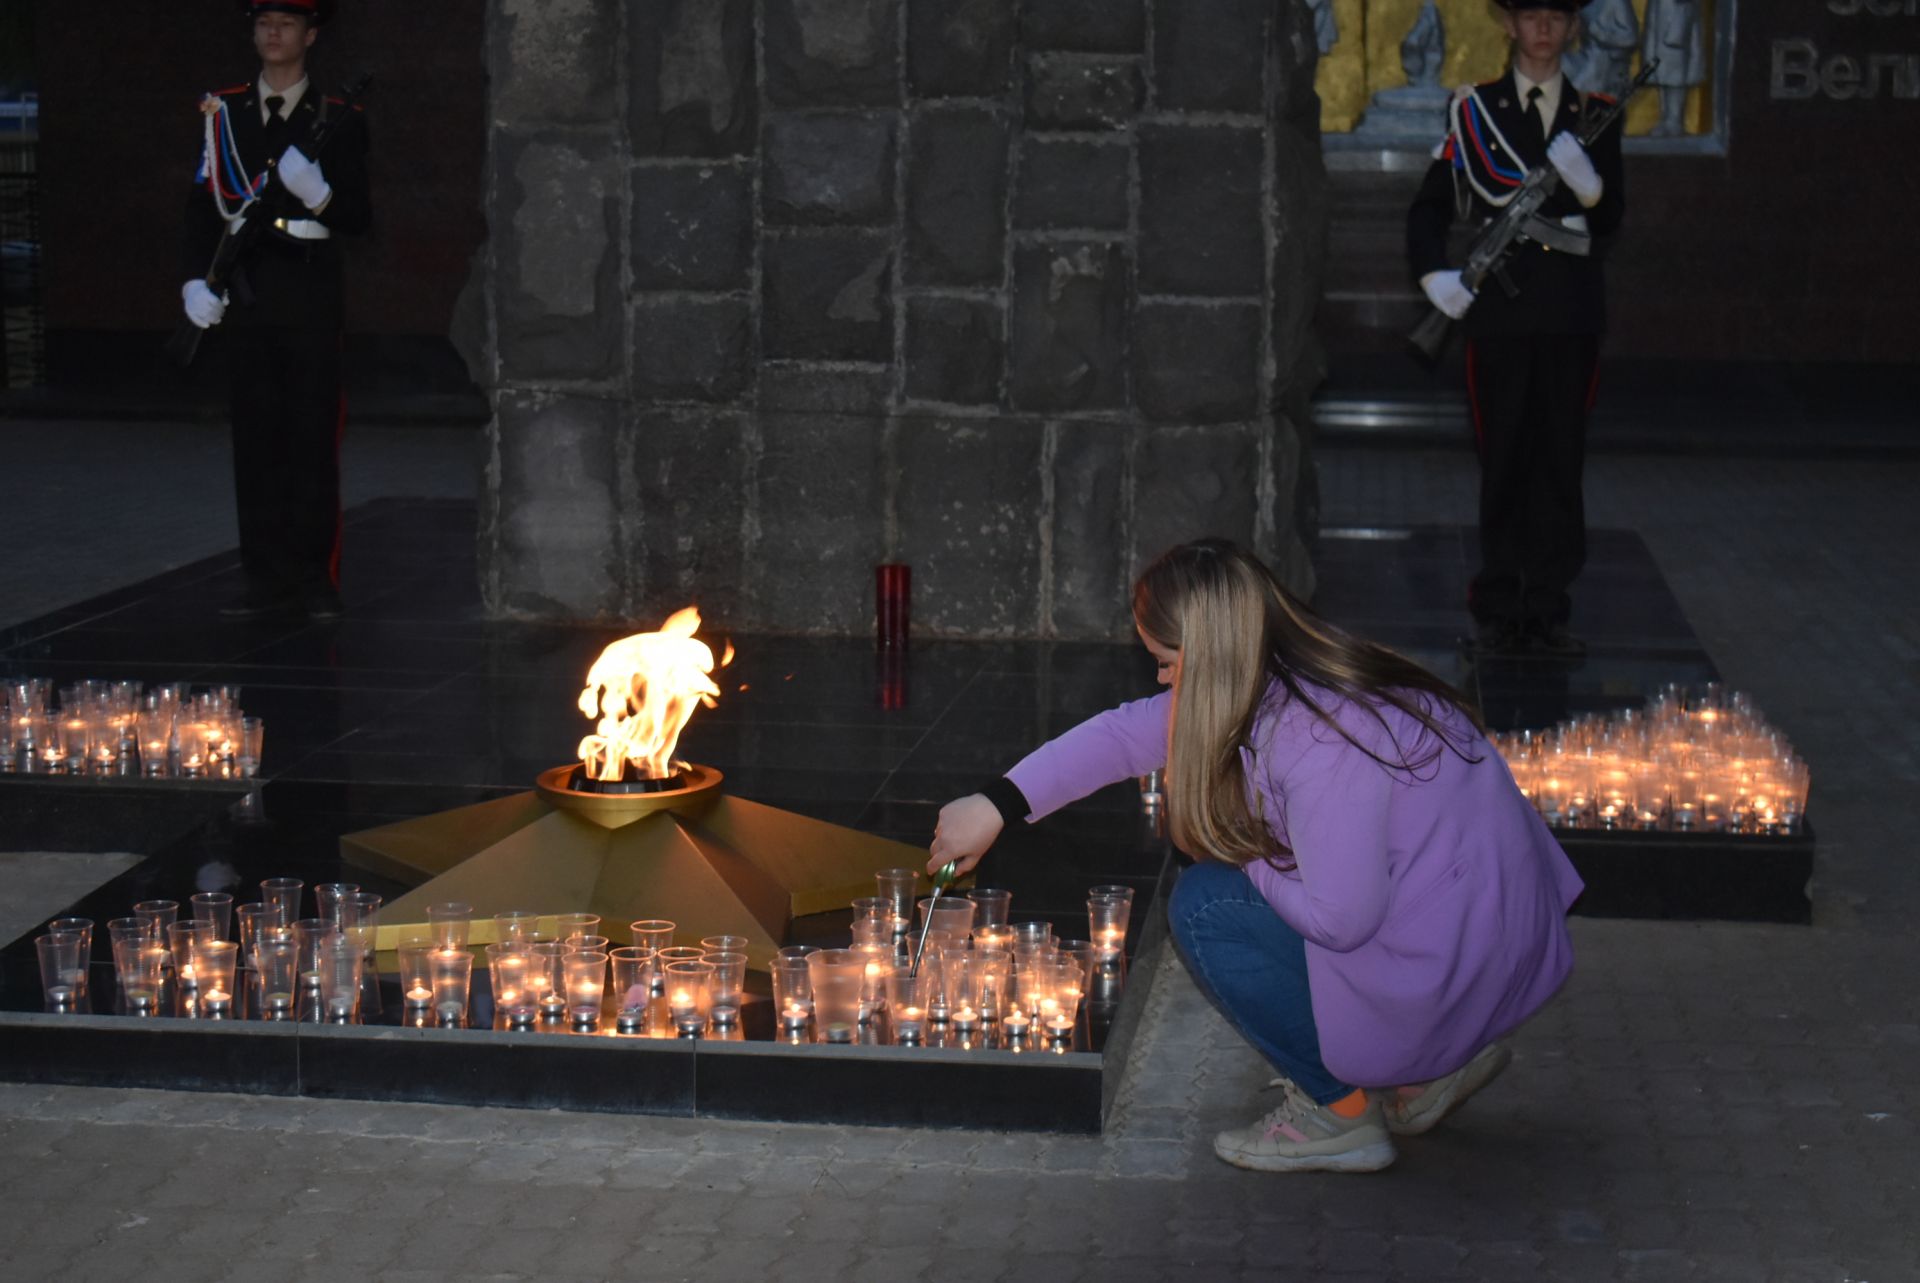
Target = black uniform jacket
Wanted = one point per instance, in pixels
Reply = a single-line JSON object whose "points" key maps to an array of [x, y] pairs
{"points": [[294, 282], [1558, 293]]}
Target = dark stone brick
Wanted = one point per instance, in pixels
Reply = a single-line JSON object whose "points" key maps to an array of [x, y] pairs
{"points": [[553, 548], [1194, 481], [956, 199], [820, 503], [689, 477], [549, 66], [1069, 327], [955, 350], [559, 313], [1210, 57], [959, 48], [827, 297], [825, 389], [1194, 363], [832, 53], [692, 349], [969, 495], [1066, 91], [1069, 183], [834, 168], [1090, 569], [692, 227], [691, 88], [1194, 178], [1088, 26]]}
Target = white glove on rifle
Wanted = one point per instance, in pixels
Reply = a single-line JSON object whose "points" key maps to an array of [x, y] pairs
{"points": [[204, 307], [1446, 292], [303, 178], [1567, 155]]}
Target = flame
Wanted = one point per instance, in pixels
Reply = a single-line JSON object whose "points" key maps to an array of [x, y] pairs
{"points": [[643, 689]]}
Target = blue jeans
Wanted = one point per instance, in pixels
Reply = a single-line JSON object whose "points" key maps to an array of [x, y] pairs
{"points": [[1253, 967]]}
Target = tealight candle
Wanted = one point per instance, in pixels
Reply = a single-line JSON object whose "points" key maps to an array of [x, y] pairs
{"points": [[794, 1017], [419, 997], [910, 1024], [1017, 1024], [216, 1002], [965, 1020]]}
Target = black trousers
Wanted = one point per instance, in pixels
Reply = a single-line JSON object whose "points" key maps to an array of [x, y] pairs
{"points": [[287, 414], [1530, 396]]}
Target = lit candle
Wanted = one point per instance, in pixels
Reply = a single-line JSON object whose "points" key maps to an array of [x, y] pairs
{"points": [[216, 1002], [586, 1003], [60, 995], [1017, 1025], [794, 1017], [965, 1020], [909, 1024], [419, 996], [1059, 1026]]}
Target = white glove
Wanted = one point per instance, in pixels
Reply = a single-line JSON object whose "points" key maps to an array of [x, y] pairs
{"points": [[1576, 170], [1445, 292], [204, 307], [303, 178]]}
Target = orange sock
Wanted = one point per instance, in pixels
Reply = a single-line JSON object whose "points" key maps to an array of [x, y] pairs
{"points": [[1351, 1105]]}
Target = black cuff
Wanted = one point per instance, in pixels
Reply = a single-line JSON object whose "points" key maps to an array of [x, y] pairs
{"points": [[1008, 800]]}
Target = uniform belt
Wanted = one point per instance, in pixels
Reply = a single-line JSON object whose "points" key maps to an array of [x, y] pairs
{"points": [[302, 229]]}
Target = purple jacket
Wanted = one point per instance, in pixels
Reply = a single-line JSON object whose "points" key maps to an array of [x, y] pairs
{"points": [[1434, 909]]}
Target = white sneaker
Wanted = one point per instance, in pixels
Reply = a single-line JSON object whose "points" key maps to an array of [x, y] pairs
{"points": [[1421, 1111], [1300, 1136]]}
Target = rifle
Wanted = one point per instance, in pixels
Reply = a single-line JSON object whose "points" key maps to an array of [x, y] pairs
{"points": [[240, 235], [1493, 244]]}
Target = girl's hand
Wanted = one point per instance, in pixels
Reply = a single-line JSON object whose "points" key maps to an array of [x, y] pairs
{"points": [[966, 828]]}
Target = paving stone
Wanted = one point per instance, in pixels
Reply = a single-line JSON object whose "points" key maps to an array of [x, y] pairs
{"points": [[692, 349], [956, 350], [558, 258], [1073, 91], [552, 550], [956, 198], [959, 48], [826, 388], [1089, 566], [1089, 26], [552, 64], [691, 81], [1201, 176], [828, 167], [832, 52], [692, 227], [1068, 328], [1072, 183], [828, 297]]}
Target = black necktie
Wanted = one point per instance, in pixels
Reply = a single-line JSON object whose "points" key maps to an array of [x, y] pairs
{"points": [[276, 125], [1533, 115]]}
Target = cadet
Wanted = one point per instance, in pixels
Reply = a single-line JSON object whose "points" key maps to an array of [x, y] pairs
{"points": [[1531, 354], [284, 317]]}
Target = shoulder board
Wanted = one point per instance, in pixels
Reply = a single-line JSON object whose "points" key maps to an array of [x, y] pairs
{"points": [[341, 102], [228, 92], [1605, 100]]}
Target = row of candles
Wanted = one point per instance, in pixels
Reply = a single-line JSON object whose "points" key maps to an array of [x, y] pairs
{"points": [[968, 972], [120, 728], [1692, 760]]}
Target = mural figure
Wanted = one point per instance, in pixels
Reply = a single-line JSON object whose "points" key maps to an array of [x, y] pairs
{"points": [[1425, 48], [1675, 36], [1406, 112], [1603, 62], [1326, 28]]}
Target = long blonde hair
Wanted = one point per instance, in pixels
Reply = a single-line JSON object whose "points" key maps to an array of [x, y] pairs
{"points": [[1238, 631]]}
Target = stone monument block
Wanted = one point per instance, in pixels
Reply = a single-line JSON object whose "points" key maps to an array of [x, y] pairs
{"points": [[1195, 177], [959, 48], [820, 505], [1195, 481], [821, 167], [832, 53], [1072, 183], [827, 296], [692, 349], [1211, 56], [956, 350], [553, 540], [1085, 26], [1197, 362], [690, 80], [1068, 337], [692, 227], [1090, 571], [968, 505], [956, 198], [1067, 91], [557, 258], [552, 62], [687, 474]]}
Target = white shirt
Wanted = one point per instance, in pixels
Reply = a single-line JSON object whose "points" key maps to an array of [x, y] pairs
{"points": [[1548, 102], [292, 94]]}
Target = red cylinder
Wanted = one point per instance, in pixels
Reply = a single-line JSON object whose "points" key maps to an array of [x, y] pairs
{"points": [[892, 605]]}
